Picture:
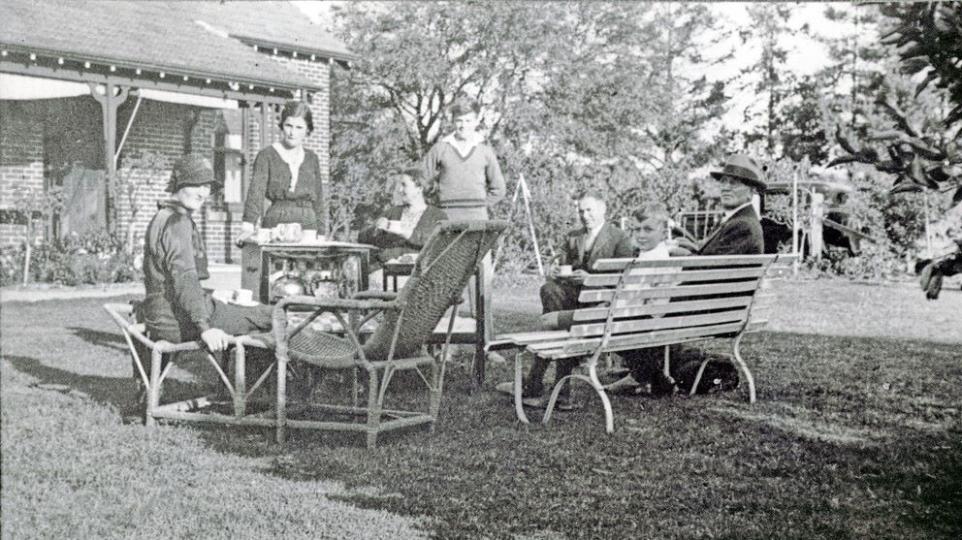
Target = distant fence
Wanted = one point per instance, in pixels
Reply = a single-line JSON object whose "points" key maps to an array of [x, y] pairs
{"points": [[699, 223]]}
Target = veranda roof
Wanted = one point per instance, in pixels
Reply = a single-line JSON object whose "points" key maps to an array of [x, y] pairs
{"points": [[173, 40]]}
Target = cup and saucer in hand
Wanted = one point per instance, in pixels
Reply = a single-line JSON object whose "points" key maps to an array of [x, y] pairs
{"points": [[243, 297], [566, 273]]}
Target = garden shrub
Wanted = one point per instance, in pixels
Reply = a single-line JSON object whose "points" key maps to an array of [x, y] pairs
{"points": [[91, 258]]}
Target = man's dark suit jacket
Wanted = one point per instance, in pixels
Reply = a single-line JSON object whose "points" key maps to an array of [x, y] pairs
{"points": [[611, 243], [740, 235]]}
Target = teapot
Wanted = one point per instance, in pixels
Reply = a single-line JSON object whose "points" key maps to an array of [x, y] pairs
{"points": [[287, 285]]}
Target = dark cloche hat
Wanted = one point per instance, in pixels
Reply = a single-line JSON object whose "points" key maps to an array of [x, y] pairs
{"points": [[745, 169], [190, 170]]}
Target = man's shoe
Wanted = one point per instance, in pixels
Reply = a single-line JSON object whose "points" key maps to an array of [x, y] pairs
{"points": [[566, 404], [625, 385], [505, 388], [527, 390], [663, 385], [535, 402]]}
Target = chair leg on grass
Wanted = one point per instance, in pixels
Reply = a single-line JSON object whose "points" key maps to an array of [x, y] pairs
{"points": [[240, 381], [435, 403], [744, 367], [281, 435], [518, 377], [373, 408], [153, 389]]}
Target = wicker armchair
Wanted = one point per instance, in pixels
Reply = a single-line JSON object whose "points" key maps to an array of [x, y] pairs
{"points": [[397, 343], [151, 374]]}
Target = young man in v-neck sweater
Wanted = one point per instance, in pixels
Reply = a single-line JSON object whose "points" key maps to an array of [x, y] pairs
{"points": [[465, 176], [463, 170]]}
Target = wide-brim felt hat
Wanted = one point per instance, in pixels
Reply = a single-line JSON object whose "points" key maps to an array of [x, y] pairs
{"points": [[191, 170], [743, 168]]}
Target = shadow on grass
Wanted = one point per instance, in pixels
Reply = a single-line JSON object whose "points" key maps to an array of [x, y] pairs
{"points": [[118, 392], [99, 338], [791, 466]]}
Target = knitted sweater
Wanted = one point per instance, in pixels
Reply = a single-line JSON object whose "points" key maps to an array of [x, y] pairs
{"points": [[272, 180], [460, 181]]}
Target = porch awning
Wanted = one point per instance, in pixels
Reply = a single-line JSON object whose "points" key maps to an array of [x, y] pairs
{"points": [[22, 87], [188, 99]]}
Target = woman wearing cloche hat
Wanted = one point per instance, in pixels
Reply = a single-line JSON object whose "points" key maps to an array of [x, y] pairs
{"points": [[176, 308]]}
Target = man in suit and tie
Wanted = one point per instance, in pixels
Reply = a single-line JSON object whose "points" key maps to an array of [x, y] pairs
{"points": [[595, 239], [740, 232]]}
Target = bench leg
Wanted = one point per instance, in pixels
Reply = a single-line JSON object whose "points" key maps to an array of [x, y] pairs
{"points": [[701, 371], [518, 378], [592, 379], [744, 367]]}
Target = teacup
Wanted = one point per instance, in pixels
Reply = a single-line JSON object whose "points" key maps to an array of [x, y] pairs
{"points": [[394, 226], [564, 269], [292, 232], [243, 296]]}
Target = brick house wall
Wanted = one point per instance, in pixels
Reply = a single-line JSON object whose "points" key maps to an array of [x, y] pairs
{"points": [[21, 162], [159, 128]]}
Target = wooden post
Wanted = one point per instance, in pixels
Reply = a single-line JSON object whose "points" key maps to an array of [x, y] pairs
{"points": [[815, 236], [795, 223], [109, 103]]}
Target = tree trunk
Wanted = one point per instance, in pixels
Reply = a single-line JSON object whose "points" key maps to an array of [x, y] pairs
{"points": [[26, 260]]}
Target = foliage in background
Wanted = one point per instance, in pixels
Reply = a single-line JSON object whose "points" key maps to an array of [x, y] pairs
{"points": [[573, 96], [863, 95], [922, 153], [37, 207], [94, 257]]}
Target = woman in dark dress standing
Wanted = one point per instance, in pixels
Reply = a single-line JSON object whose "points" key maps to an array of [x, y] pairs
{"points": [[288, 175]]}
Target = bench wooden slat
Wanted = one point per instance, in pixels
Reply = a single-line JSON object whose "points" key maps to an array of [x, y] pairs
{"points": [[592, 296], [603, 265], [640, 276], [642, 325], [633, 309], [568, 348], [520, 339]]}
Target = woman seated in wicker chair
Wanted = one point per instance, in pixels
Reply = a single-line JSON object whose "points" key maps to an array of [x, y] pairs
{"points": [[405, 227]]}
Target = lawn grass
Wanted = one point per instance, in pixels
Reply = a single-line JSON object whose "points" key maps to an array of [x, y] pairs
{"points": [[857, 434]]}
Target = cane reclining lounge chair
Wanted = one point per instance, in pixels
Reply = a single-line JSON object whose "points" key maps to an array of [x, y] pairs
{"points": [[162, 355], [409, 317]]}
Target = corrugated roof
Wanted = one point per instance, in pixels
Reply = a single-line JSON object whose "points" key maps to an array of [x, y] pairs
{"points": [[167, 35]]}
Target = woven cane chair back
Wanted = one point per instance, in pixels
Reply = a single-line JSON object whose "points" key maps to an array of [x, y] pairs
{"points": [[440, 275]]}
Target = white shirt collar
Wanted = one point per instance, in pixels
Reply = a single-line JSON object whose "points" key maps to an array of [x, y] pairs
{"points": [[464, 147], [658, 252]]}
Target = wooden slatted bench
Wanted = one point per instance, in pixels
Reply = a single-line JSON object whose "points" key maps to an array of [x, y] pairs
{"points": [[632, 304]]}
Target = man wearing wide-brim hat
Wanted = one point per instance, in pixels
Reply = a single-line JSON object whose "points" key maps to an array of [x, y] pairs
{"points": [[739, 233], [176, 308]]}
